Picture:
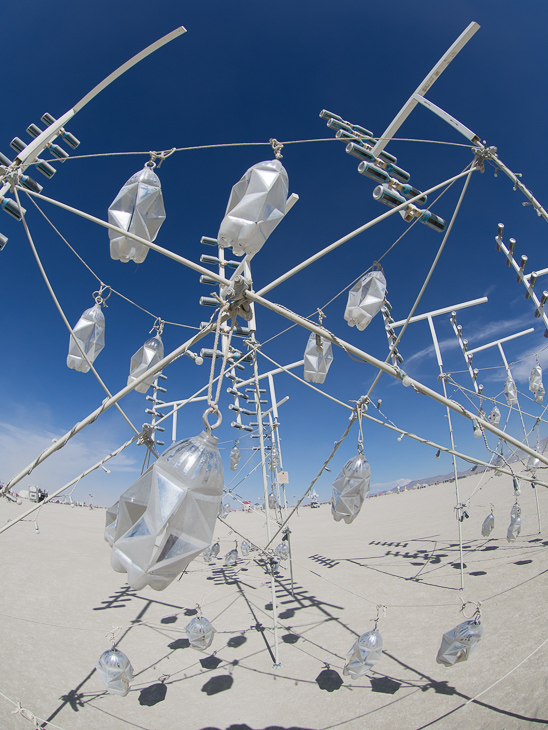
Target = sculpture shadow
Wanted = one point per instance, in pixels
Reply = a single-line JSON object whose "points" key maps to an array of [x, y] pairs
{"points": [[218, 684], [329, 680], [152, 695], [236, 641]]}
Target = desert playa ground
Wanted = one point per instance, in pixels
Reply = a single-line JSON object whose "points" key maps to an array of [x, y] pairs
{"points": [[60, 598]]}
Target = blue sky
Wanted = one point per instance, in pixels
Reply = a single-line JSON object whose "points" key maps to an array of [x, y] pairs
{"points": [[246, 72]]}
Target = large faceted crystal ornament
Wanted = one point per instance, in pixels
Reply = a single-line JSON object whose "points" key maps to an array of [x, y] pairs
{"points": [[139, 209], [255, 207], [224, 510], [146, 357], [231, 558], [167, 517], [272, 501], [494, 417], [535, 383], [282, 551], [207, 555], [514, 528], [318, 357], [116, 671], [459, 643], [215, 549], [350, 489], [274, 459], [510, 391], [234, 457], [89, 333], [245, 548], [200, 633], [364, 654], [365, 300], [488, 525]]}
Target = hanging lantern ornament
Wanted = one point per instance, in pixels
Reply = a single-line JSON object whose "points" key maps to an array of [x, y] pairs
{"points": [[231, 558], [365, 300], [510, 391], [535, 383], [167, 517], [272, 501], [139, 209], [366, 652], [234, 457], [88, 336], [274, 458], [200, 633], [224, 510], [255, 207], [145, 358], [282, 551], [318, 356], [514, 528], [460, 642], [499, 461], [215, 549], [351, 486], [245, 548], [488, 524], [207, 555], [115, 669], [494, 417], [533, 461]]}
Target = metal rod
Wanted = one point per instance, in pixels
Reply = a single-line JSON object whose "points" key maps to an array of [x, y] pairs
{"points": [[444, 310], [503, 339]]}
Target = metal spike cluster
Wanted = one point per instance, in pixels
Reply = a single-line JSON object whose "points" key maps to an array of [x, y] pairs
{"points": [[12, 173], [474, 372], [386, 311], [394, 188]]}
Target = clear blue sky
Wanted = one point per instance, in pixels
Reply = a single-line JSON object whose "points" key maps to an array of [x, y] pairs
{"points": [[246, 72]]}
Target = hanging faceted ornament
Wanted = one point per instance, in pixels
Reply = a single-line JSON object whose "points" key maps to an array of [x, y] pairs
{"points": [[234, 457], [350, 489], [168, 516], [274, 458], [460, 642], [207, 555], [510, 391], [514, 528], [488, 525], [282, 551], [255, 207], [111, 523], [318, 356], [89, 333], [215, 549], [365, 300], [494, 417], [200, 633], [535, 383], [245, 548], [116, 671], [231, 558], [272, 501], [532, 463], [139, 209], [145, 358], [364, 654], [499, 461], [224, 510]]}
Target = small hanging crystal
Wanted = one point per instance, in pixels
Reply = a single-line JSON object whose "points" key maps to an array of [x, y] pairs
{"points": [[145, 358], [318, 356], [234, 457], [116, 671], [510, 391], [460, 642], [494, 417], [282, 551], [200, 633], [89, 333], [535, 383], [139, 209], [350, 489], [231, 558], [514, 528], [274, 458], [245, 548], [224, 510], [207, 555], [364, 654], [215, 549], [272, 501], [365, 300], [488, 525]]}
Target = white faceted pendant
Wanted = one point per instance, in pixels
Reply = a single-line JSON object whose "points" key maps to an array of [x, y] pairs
{"points": [[350, 489], [510, 391], [231, 558], [139, 209], [365, 300], [488, 525], [89, 333], [514, 528], [200, 633], [364, 654], [535, 384], [494, 417], [255, 207], [245, 548], [116, 671], [318, 356], [282, 551], [459, 643], [145, 358], [168, 516], [234, 457]]}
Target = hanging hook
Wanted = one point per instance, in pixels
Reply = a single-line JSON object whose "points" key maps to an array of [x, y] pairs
{"points": [[212, 409], [277, 147], [151, 163], [111, 636], [100, 297], [477, 612], [381, 612], [158, 326]]}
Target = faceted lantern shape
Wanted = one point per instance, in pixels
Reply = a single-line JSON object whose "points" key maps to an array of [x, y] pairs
{"points": [[274, 460], [514, 528], [494, 417], [459, 643], [255, 207], [234, 458], [224, 510], [167, 517], [200, 633], [350, 489], [365, 300], [488, 525], [207, 555], [318, 357], [89, 333], [139, 209], [116, 671], [215, 549], [510, 391], [282, 551], [532, 462], [364, 654], [145, 358], [272, 501], [231, 558], [245, 548], [535, 384]]}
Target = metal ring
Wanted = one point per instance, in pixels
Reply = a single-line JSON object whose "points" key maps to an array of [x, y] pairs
{"points": [[215, 425]]}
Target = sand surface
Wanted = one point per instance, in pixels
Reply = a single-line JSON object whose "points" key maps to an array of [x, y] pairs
{"points": [[60, 598]]}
